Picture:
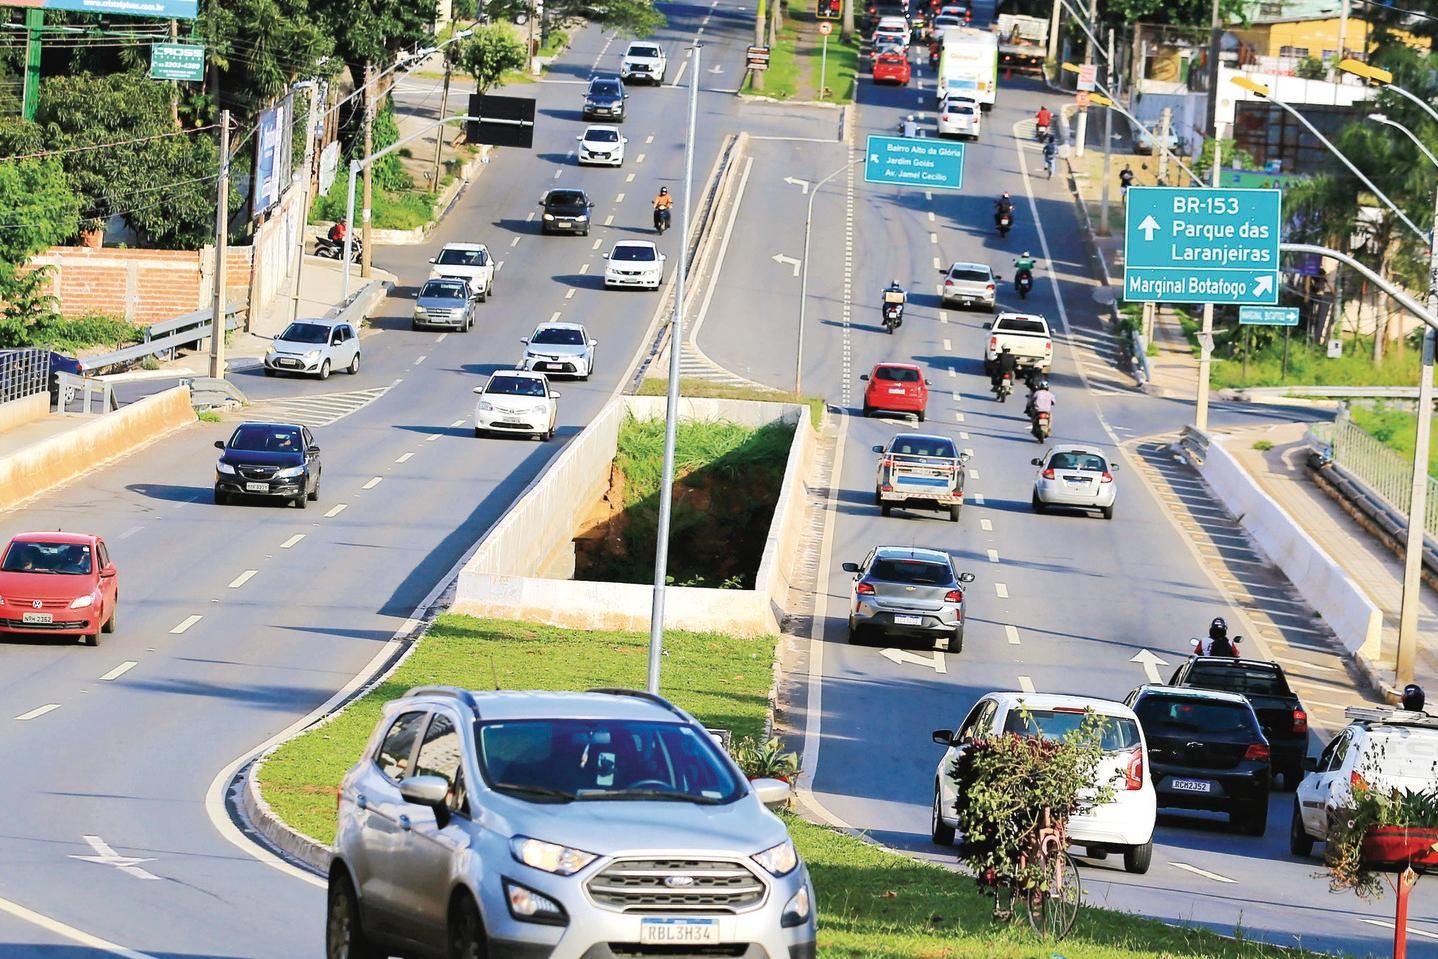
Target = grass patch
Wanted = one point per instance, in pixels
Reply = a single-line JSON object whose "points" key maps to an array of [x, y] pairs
{"points": [[1263, 446], [735, 449], [208, 416], [692, 386], [722, 680], [556, 44], [781, 80], [795, 61], [1308, 364], [1396, 428], [70, 334], [398, 210]]}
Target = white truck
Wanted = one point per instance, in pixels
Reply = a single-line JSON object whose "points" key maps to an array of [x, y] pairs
{"points": [[1023, 42], [919, 469], [969, 65], [643, 60], [1027, 337]]}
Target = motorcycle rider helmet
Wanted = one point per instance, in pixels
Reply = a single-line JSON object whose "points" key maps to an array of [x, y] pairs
{"points": [[1004, 197], [1413, 698], [663, 191], [1043, 384], [1217, 628]]}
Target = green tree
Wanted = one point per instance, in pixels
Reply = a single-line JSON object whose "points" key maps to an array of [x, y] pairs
{"points": [[488, 53], [637, 18], [375, 31], [261, 47], [41, 210], [1231, 155]]}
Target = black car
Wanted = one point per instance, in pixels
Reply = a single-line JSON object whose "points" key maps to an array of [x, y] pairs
{"points": [[269, 459], [565, 211], [1206, 751], [605, 99], [1262, 683]]}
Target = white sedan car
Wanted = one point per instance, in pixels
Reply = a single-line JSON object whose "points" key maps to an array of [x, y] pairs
{"points": [[1076, 477], [960, 117], [1124, 824], [602, 146], [559, 348], [516, 401], [634, 263]]}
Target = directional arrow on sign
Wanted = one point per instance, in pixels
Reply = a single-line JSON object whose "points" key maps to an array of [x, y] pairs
{"points": [[795, 181], [781, 258], [1148, 226], [1264, 286], [1150, 663], [105, 856], [934, 660]]}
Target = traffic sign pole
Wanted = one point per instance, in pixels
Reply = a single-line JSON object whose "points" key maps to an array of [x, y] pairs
{"points": [[1205, 350], [823, 57]]}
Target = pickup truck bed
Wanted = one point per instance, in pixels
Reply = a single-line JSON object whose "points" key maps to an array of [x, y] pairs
{"points": [[1027, 337]]}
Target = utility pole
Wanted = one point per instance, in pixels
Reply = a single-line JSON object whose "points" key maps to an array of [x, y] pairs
{"points": [[1088, 57], [439, 131], [756, 81], [311, 135], [1164, 120], [1343, 29], [222, 230], [1103, 229], [1205, 339], [367, 246], [30, 95], [846, 32], [1054, 32], [1215, 47]]}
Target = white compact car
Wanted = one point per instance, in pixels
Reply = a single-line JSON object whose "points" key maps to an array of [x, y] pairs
{"points": [[516, 401], [1123, 825], [893, 28], [563, 349], [1381, 748], [602, 146], [315, 347], [1075, 477], [634, 263], [470, 262], [960, 117], [643, 60]]}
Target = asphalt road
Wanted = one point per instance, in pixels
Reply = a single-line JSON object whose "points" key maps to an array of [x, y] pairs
{"points": [[1062, 603], [237, 621]]}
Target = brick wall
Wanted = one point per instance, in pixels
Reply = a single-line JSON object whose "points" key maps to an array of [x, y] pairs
{"points": [[144, 286]]}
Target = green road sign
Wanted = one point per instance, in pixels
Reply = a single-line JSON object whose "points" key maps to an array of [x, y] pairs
{"points": [[1268, 315], [177, 61]]}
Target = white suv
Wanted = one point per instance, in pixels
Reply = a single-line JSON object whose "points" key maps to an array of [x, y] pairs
{"points": [[1381, 747], [1123, 825], [643, 60]]}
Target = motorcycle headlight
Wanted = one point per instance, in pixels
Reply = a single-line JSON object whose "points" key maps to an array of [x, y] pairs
{"points": [[796, 910], [778, 860], [222, 467], [549, 857], [80, 602], [290, 472]]}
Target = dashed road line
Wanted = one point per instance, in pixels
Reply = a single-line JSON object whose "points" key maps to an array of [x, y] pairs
{"points": [[119, 671], [292, 541], [339, 508], [440, 338], [1026, 684], [432, 437], [243, 578], [986, 526], [37, 712], [1202, 872], [372, 482], [405, 458], [629, 178], [584, 267], [130, 532], [514, 242], [554, 317], [619, 199], [609, 220], [458, 423], [421, 358], [973, 474], [978, 499], [948, 346], [186, 623], [1001, 591], [1012, 635], [993, 556]]}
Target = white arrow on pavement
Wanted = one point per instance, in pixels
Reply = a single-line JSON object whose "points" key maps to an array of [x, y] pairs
{"points": [[1150, 663], [1264, 285], [105, 856], [717, 69], [781, 258], [795, 181], [1148, 226], [934, 660]]}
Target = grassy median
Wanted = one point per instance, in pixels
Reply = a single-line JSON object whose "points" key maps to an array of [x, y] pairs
{"points": [[694, 386], [872, 903]]}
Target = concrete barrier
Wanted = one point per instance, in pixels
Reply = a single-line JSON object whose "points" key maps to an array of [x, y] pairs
{"points": [[27, 409], [521, 571], [63, 457], [1352, 616]]}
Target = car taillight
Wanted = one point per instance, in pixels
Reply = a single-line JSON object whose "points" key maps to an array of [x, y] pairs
{"points": [[1300, 721], [954, 596], [994, 344], [1048, 473], [1256, 751], [1107, 477], [948, 283], [1133, 771], [1357, 781], [1049, 346], [990, 288], [864, 589]]}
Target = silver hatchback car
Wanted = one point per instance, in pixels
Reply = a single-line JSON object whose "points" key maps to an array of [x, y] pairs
{"points": [[970, 284], [1079, 477], [561, 825], [910, 592]]}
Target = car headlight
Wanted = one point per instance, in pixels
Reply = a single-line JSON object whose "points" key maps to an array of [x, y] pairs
{"points": [[549, 216], [222, 467], [549, 857], [582, 216], [312, 355], [526, 905], [80, 602], [485, 406], [778, 860], [270, 354], [290, 472], [796, 910], [420, 311]]}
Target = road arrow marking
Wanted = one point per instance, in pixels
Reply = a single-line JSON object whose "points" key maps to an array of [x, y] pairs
{"points": [[716, 69], [795, 181], [105, 856], [934, 660], [1264, 286], [781, 258], [1150, 663], [1148, 226]]}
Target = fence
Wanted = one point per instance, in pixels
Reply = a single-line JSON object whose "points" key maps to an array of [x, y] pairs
{"points": [[23, 373], [1384, 471]]}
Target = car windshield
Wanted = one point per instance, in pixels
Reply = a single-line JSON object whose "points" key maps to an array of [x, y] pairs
{"points": [[1013, 324], [602, 136], [451, 257], [558, 336], [71, 559], [917, 572], [644, 51], [633, 253], [306, 333], [266, 439], [897, 374], [1119, 732], [604, 88], [1091, 462], [442, 290], [969, 275], [515, 386], [1185, 715], [1239, 679], [604, 759], [567, 198], [923, 446]]}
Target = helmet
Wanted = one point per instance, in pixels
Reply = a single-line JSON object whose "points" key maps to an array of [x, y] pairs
{"points": [[1006, 349], [1043, 384], [663, 191], [1218, 627], [1413, 697], [1027, 253], [1005, 196]]}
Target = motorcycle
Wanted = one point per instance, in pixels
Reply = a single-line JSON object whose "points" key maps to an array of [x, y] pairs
{"points": [[893, 316], [1005, 387], [335, 249], [661, 219], [1005, 221], [1041, 130], [1024, 282], [1041, 426]]}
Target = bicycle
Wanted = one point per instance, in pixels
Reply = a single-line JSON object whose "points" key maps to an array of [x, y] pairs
{"points": [[1053, 903]]}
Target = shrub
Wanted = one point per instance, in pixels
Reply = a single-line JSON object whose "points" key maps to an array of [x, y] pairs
{"points": [[765, 760], [1263, 446]]}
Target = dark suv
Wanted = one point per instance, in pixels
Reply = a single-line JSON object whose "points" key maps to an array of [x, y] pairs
{"points": [[1206, 751], [604, 100], [565, 211], [269, 459]]}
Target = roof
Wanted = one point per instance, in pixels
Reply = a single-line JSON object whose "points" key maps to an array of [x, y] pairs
{"points": [[960, 264], [896, 364], [920, 436], [55, 536], [519, 374], [1230, 661], [647, 244], [579, 327], [465, 246], [912, 552], [1015, 314], [319, 321], [1080, 448], [509, 704], [271, 426], [1062, 701], [1190, 692], [1277, 11]]}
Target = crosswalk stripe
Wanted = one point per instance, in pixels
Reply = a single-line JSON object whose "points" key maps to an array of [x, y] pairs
{"points": [[316, 411]]}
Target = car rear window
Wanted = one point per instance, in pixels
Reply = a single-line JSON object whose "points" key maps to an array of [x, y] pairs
{"points": [[923, 446], [1078, 461], [969, 275], [1119, 732], [962, 109], [897, 374], [916, 571], [1185, 715], [1240, 679], [1014, 324]]}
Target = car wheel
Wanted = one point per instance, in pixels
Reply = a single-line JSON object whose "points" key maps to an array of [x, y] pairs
{"points": [[956, 640], [109, 625], [302, 500], [858, 636], [466, 930], [478, 433], [920, 415], [941, 835], [90, 639], [325, 370], [1136, 859], [1038, 504], [269, 372], [954, 513], [586, 232], [354, 365], [1299, 842], [868, 411], [315, 493], [413, 325], [344, 932], [1251, 819], [1108, 512], [885, 509], [221, 497]]}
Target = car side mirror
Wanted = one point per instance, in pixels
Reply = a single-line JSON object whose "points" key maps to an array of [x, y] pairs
{"points": [[849, 567], [1310, 764], [604, 256], [478, 389], [863, 376], [1113, 467], [966, 577], [553, 394], [989, 326], [593, 344], [998, 277], [623, 139], [579, 138], [771, 792], [432, 259], [313, 451], [431, 791], [219, 444], [524, 339], [878, 449], [1036, 462], [107, 571], [928, 382], [944, 737]]}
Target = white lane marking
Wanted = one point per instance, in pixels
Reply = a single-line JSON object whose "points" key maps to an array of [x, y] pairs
{"points": [[1026, 684], [597, 244], [640, 157], [428, 439], [243, 578], [619, 199], [119, 671], [1299, 662], [514, 242], [680, 75], [440, 338], [556, 173], [993, 556], [290, 543], [372, 483], [69, 932], [458, 423], [979, 499], [530, 217], [958, 417], [968, 450], [648, 139], [37, 712], [339, 508], [898, 657], [943, 317], [569, 294], [186, 623], [398, 379], [1341, 707], [953, 372], [629, 178], [609, 220], [421, 359], [958, 397], [973, 474], [1411, 928], [584, 268], [931, 216], [130, 532], [963, 435], [405, 458], [933, 237], [1012, 635], [948, 346], [1202, 872], [1001, 591], [938, 265], [554, 317], [928, 195], [106, 856], [986, 526]]}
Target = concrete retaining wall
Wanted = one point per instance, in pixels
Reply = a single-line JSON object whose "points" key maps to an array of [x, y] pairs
{"points": [[509, 576], [66, 455], [1354, 619], [27, 409]]}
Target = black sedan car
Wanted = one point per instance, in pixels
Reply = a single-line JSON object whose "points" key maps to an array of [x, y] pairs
{"points": [[1206, 751], [279, 460]]}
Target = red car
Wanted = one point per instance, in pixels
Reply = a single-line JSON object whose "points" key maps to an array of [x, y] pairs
{"points": [[58, 583], [891, 68], [896, 388]]}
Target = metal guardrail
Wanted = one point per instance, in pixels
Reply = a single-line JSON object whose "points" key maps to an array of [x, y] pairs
{"points": [[1194, 444], [1351, 392], [85, 389], [181, 331], [1376, 466], [23, 373]]}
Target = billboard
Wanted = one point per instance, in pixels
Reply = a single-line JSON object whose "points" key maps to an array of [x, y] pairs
{"points": [[167, 9], [273, 155]]}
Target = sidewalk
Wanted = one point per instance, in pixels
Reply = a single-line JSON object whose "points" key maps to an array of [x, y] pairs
{"points": [[1283, 475], [1174, 368]]}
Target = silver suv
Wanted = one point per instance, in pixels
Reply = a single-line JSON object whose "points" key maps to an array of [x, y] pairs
{"points": [[542, 824]]}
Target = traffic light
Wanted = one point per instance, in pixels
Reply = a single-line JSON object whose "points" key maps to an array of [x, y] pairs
{"points": [[829, 9]]}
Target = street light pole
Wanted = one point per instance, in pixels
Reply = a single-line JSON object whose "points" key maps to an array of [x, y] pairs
{"points": [[366, 250], [1103, 227], [222, 230], [804, 283], [1205, 338]]}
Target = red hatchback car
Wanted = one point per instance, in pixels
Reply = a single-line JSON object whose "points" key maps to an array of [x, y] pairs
{"points": [[896, 388], [891, 68], [58, 583]]}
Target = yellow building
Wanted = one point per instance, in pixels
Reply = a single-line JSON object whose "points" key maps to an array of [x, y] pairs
{"points": [[1283, 33]]}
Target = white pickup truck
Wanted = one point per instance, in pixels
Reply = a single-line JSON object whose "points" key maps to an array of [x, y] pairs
{"points": [[470, 262], [643, 60], [919, 469], [1027, 337]]}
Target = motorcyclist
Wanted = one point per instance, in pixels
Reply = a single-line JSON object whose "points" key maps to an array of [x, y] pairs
{"points": [[1024, 264], [1005, 362], [1041, 399], [338, 231], [893, 294], [1003, 205], [1125, 180], [1218, 642], [1043, 120], [662, 204]]}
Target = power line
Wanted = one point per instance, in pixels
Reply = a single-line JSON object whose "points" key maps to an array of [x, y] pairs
{"points": [[116, 143]]}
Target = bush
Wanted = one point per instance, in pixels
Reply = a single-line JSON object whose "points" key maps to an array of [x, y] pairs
{"points": [[1263, 446], [765, 760], [67, 335]]}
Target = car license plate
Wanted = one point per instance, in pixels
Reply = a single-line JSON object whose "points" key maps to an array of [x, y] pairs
{"points": [[257, 487], [289, 362], [678, 931], [511, 419], [564, 225], [1191, 785], [909, 620], [37, 618], [897, 391], [553, 366]]}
